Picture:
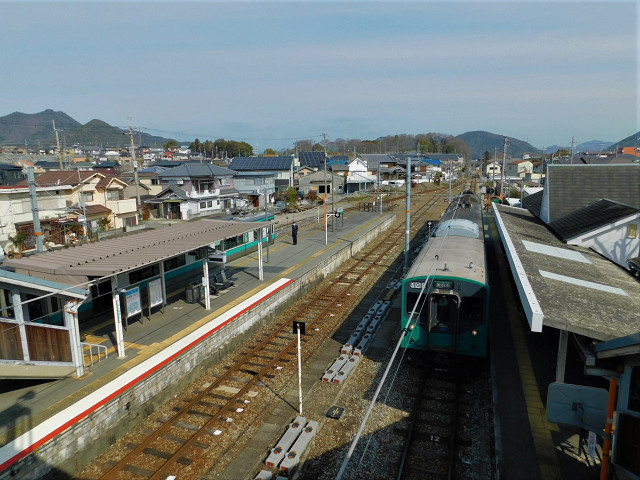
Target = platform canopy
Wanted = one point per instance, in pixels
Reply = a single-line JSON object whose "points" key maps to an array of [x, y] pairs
{"points": [[79, 264]]}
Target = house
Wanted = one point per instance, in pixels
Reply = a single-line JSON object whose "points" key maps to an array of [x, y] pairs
{"points": [[17, 217], [194, 190], [321, 182], [519, 168], [492, 170], [86, 188], [150, 179], [281, 166], [10, 174], [255, 187], [359, 176], [596, 206]]}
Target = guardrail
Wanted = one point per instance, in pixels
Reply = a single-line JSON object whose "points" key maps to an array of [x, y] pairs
{"points": [[91, 346]]}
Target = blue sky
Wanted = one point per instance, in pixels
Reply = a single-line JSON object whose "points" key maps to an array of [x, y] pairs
{"points": [[272, 72]]}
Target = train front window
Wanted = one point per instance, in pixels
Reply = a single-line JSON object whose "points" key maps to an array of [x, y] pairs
{"points": [[421, 312], [443, 312]]}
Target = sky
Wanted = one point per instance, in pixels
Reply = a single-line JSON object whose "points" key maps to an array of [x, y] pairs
{"points": [[270, 73]]}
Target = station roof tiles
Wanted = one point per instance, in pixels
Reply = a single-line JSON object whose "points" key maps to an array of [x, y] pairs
{"points": [[75, 265], [595, 298]]}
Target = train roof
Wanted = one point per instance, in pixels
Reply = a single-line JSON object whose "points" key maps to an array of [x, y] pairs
{"points": [[451, 256]]}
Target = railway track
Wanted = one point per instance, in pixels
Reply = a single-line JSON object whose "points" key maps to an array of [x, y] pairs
{"points": [[448, 434], [206, 424]]}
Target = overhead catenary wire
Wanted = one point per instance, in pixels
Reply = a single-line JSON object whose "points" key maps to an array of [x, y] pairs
{"points": [[403, 333]]}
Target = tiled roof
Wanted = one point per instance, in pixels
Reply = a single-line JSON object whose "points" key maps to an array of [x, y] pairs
{"points": [[586, 219], [571, 187], [196, 170], [533, 203], [66, 177]]}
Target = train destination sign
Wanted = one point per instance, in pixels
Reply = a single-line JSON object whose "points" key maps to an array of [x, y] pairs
{"points": [[443, 284], [437, 284]]}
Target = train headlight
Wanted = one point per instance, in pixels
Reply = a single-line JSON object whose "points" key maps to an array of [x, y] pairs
{"points": [[412, 326], [474, 333]]}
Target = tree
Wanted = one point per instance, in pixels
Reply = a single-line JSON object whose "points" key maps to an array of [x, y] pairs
{"points": [[170, 144], [270, 151], [487, 158], [291, 196]]}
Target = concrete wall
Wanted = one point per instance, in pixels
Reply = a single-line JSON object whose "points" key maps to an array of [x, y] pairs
{"points": [[68, 452]]}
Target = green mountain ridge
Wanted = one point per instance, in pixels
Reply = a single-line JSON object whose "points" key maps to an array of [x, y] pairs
{"points": [[36, 130]]}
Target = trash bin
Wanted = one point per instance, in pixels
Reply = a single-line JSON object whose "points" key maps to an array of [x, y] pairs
{"points": [[192, 293]]}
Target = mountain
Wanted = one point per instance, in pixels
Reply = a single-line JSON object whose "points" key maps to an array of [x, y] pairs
{"points": [[23, 128], [630, 141], [593, 146], [36, 130], [480, 142]]}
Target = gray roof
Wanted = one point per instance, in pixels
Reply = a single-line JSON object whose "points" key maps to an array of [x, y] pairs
{"points": [[563, 286], [598, 214], [571, 187], [533, 202], [192, 170], [75, 265]]}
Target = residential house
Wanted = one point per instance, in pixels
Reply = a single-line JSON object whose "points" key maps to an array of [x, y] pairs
{"points": [[321, 182], [86, 189], [596, 206], [10, 174], [256, 188], [282, 167], [519, 168], [17, 212], [359, 176], [150, 179], [194, 190], [493, 170]]}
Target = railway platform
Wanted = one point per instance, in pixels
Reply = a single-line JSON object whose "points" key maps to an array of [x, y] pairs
{"points": [[32, 412]]}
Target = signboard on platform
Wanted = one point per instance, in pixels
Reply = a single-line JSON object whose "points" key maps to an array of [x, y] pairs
{"points": [[577, 405], [155, 292], [133, 304]]}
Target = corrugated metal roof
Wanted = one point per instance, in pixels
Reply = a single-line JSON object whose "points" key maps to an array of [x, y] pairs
{"points": [[121, 254]]}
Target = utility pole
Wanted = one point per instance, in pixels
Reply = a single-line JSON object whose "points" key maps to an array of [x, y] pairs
{"points": [[135, 166], [34, 209], [572, 145], [504, 166], [58, 144]]}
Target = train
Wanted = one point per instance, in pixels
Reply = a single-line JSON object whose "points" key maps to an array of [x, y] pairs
{"points": [[445, 292]]}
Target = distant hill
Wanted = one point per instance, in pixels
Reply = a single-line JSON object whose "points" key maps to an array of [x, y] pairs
{"points": [[23, 128], [630, 141], [36, 130], [593, 146], [481, 142]]}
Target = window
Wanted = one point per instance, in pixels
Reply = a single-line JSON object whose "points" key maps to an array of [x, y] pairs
{"points": [[209, 204], [258, 181], [155, 181], [203, 204], [113, 195], [87, 196], [632, 230]]}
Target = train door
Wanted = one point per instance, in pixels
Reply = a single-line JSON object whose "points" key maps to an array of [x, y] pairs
{"points": [[443, 320]]}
